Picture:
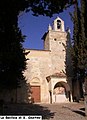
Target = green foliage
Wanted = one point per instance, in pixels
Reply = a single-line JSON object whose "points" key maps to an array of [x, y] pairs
{"points": [[82, 52], [68, 63], [79, 51], [39, 7], [76, 35], [50, 7], [12, 55], [83, 45], [12, 58]]}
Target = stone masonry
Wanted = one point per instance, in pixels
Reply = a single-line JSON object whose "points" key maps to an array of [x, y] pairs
{"points": [[48, 62]]}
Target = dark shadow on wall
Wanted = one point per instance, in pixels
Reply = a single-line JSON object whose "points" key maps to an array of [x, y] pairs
{"points": [[28, 109], [24, 93], [20, 94]]}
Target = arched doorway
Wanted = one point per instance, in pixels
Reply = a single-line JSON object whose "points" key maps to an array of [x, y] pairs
{"points": [[35, 89], [61, 91]]}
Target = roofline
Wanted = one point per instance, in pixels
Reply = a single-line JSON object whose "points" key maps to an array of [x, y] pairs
{"points": [[37, 50]]}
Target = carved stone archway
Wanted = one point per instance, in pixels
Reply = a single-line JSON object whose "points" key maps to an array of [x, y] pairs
{"points": [[57, 81], [62, 92]]}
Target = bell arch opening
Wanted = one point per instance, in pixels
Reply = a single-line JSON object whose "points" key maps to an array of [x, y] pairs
{"points": [[58, 24]]}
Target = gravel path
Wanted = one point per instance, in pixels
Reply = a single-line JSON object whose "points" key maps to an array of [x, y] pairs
{"points": [[71, 111], [67, 111]]}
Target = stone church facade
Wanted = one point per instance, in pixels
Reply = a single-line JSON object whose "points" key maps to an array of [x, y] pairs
{"points": [[46, 68], [48, 78]]}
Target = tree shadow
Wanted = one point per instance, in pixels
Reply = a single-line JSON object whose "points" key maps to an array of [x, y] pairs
{"points": [[82, 109], [79, 112], [28, 109]]}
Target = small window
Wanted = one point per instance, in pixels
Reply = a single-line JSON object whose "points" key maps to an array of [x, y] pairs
{"points": [[55, 39], [58, 24]]}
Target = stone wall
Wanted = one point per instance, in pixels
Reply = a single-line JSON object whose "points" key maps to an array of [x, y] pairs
{"points": [[39, 66]]}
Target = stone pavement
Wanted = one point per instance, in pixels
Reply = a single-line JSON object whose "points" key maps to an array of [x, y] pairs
{"points": [[64, 111], [69, 111]]}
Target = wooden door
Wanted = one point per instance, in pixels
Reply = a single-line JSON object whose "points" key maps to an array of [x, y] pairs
{"points": [[35, 93]]}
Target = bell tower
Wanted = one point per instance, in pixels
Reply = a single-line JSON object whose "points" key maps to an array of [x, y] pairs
{"points": [[55, 35], [55, 41]]}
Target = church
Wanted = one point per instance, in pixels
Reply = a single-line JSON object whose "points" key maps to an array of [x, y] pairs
{"points": [[46, 68], [48, 75]]}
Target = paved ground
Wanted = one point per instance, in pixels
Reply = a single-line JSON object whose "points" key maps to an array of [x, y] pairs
{"points": [[67, 111]]}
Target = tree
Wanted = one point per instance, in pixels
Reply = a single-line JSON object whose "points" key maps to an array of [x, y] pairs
{"points": [[39, 7], [68, 61], [79, 51], [12, 54], [75, 52], [83, 53], [83, 62]]}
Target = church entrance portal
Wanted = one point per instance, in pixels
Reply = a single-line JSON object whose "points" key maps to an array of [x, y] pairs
{"points": [[61, 92], [35, 90], [35, 93]]}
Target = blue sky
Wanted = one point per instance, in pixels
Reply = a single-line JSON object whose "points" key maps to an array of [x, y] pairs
{"points": [[35, 27]]}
